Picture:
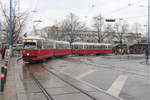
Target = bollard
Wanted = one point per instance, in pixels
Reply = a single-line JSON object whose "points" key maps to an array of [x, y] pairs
{"points": [[5, 73], [2, 76]]}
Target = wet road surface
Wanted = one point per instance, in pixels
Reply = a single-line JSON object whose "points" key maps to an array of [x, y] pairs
{"points": [[100, 77], [58, 85]]}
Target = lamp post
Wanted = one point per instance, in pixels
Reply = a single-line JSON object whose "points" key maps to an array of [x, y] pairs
{"points": [[148, 24], [121, 37], [10, 31]]}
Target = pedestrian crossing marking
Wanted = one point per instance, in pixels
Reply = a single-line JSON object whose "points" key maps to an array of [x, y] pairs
{"points": [[118, 84], [85, 74]]}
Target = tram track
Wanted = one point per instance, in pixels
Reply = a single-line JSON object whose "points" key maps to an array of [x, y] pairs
{"points": [[115, 68], [44, 91], [56, 74]]}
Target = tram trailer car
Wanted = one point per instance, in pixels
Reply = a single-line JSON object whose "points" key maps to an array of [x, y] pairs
{"points": [[36, 49], [80, 48], [62, 48]]}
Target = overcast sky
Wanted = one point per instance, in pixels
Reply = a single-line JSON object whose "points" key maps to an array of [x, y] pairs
{"points": [[50, 11]]}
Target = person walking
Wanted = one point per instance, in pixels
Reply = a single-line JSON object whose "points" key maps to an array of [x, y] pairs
{"points": [[146, 55]]}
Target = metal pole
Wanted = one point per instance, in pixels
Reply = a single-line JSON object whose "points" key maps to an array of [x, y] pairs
{"points": [[10, 30], [148, 33], [148, 23]]}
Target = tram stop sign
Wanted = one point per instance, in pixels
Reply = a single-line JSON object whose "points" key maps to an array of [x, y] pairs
{"points": [[110, 20]]}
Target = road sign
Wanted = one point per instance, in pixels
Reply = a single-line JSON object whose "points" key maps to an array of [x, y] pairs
{"points": [[110, 20]]}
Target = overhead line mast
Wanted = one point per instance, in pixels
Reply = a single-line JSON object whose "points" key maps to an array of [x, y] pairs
{"points": [[10, 32], [148, 24]]}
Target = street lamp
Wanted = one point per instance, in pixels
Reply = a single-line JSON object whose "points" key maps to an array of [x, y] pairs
{"points": [[10, 32], [148, 24]]}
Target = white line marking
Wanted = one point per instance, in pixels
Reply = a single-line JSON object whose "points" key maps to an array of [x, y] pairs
{"points": [[85, 74], [68, 67], [118, 84], [91, 85]]}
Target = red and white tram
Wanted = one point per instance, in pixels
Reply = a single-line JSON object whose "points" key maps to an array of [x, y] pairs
{"points": [[91, 48], [38, 48]]}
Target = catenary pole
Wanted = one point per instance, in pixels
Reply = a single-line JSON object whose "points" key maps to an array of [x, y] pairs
{"points": [[10, 34], [148, 22]]}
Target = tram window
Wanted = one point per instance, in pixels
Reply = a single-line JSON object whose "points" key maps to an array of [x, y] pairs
{"points": [[97, 47], [75, 46], [80, 47], [72, 46], [103, 46], [30, 45], [68, 46], [39, 44], [59, 46], [94, 47], [91, 47], [85, 46], [88, 46], [50, 45]]}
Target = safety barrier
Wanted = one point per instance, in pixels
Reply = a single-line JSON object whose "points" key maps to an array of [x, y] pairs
{"points": [[3, 72]]}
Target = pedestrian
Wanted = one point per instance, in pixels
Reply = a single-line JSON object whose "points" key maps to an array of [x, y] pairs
{"points": [[116, 51], [0, 56], [146, 55]]}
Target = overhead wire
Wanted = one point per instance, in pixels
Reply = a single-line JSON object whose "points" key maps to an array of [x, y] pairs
{"points": [[142, 16], [126, 6]]}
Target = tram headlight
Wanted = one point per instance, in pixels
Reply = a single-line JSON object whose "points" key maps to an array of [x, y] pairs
{"points": [[28, 54]]}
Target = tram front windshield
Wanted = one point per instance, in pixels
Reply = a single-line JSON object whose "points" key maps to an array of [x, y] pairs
{"points": [[30, 45]]}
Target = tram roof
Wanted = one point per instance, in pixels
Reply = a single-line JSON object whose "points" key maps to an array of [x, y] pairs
{"points": [[84, 43], [63, 42], [34, 37]]}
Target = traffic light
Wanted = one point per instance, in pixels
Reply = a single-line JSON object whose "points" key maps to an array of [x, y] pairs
{"points": [[110, 20]]}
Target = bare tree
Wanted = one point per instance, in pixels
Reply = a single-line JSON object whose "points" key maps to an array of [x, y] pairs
{"points": [[72, 25], [109, 32], [98, 25], [137, 28], [117, 31], [121, 29], [19, 19]]}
